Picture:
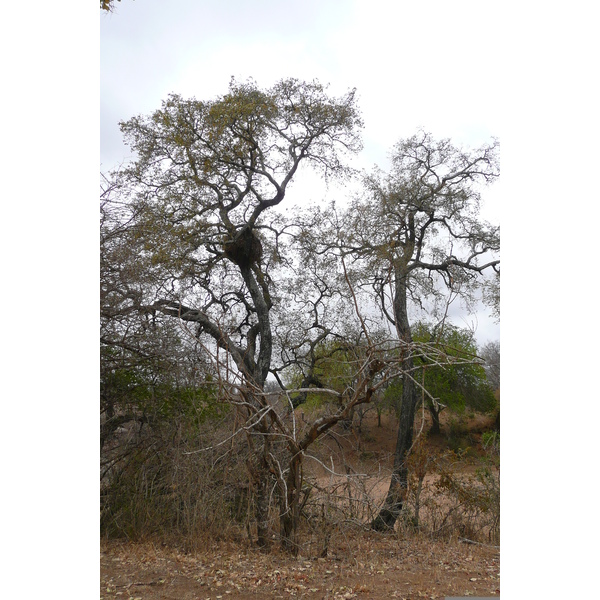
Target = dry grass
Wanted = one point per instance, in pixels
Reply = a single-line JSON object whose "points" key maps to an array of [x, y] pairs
{"points": [[194, 500]]}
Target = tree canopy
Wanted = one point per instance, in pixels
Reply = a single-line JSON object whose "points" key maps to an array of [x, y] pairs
{"points": [[199, 239], [206, 173], [416, 237], [202, 272], [455, 378]]}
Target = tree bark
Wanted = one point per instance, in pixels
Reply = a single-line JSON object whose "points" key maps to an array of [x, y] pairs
{"points": [[290, 506], [396, 496], [435, 419], [262, 507], [258, 468]]}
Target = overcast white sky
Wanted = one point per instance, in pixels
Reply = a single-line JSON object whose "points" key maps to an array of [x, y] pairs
{"points": [[412, 67], [526, 71]]}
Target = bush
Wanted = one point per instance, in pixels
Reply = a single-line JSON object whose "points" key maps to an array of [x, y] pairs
{"points": [[457, 434], [155, 484], [474, 509], [445, 501]]}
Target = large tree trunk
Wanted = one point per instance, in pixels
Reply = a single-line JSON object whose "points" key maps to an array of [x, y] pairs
{"points": [[386, 519], [396, 496], [290, 506], [260, 477], [262, 509]]}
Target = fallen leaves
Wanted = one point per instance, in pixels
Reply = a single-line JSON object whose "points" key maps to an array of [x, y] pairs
{"points": [[394, 569]]}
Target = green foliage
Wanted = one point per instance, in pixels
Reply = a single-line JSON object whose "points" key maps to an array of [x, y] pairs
{"points": [[453, 374], [491, 441], [392, 396], [458, 436], [449, 370], [145, 392], [333, 367]]}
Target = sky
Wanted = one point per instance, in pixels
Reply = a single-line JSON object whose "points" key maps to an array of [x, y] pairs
{"points": [[412, 68], [525, 72]]}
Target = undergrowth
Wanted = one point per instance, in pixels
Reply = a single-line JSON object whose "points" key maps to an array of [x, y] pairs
{"points": [[164, 484]]}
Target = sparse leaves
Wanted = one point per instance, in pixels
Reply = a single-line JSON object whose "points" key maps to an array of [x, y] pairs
{"points": [[193, 253]]}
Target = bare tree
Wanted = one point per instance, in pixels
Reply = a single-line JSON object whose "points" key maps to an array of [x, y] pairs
{"points": [[415, 236], [200, 200]]}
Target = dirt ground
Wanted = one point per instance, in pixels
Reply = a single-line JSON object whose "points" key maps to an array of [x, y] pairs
{"points": [[374, 566], [361, 565]]}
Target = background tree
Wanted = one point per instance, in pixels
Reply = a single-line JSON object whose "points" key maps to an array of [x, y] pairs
{"points": [[490, 353], [415, 235], [451, 372]]}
